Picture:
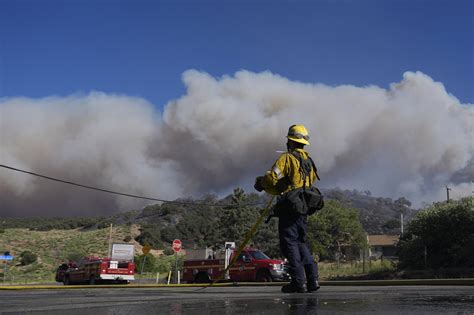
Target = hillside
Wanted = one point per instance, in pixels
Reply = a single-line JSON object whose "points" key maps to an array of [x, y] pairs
{"points": [[56, 246], [378, 215], [55, 240]]}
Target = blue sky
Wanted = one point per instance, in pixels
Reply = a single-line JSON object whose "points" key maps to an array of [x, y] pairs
{"points": [[141, 48]]}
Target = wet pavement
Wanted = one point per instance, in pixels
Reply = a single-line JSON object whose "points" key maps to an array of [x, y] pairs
{"points": [[242, 300]]}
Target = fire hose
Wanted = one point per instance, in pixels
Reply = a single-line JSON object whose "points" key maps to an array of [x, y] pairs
{"points": [[247, 238]]}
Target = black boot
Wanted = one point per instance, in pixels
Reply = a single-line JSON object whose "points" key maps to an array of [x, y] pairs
{"points": [[293, 288], [313, 286]]}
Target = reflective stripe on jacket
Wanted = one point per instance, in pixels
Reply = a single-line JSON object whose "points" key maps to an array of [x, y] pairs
{"points": [[286, 174]]}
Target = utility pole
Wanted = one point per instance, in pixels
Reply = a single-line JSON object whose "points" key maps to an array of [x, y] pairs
{"points": [[447, 193], [143, 264], [426, 254], [401, 224], [363, 259], [110, 241]]}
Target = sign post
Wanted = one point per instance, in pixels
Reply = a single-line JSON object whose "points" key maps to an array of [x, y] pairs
{"points": [[176, 248], [6, 257], [145, 250]]}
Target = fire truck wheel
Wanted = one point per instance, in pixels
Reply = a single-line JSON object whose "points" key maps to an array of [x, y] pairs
{"points": [[92, 280], [202, 277], [264, 276]]}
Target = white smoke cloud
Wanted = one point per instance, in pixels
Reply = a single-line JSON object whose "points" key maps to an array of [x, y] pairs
{"points": [[410, 140], [96, 139]]}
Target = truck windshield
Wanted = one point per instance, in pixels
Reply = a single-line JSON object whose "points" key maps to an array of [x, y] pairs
{"points": [[258, 255]]}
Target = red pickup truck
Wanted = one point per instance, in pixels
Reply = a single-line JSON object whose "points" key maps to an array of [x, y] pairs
{"points": [[251, 265], [94, 270]]}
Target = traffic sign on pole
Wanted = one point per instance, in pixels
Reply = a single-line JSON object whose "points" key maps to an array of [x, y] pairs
{"points": [[6, 257], [176, 245], [146, 249]]}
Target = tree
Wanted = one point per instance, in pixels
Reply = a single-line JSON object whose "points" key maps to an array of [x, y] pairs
{"points": [[151, 210], [169, 233], [333, 227], [27, 258], [445, 231], [103, 224], [236, 219], [391, 224], [150, 234], [199, 225], [266, 239], [402, 202]]}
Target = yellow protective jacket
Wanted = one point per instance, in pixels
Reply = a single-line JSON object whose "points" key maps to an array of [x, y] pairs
{"points": [[286, 175]]}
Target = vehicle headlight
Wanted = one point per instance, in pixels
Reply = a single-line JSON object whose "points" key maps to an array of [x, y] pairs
{"points": [[276, 266]]}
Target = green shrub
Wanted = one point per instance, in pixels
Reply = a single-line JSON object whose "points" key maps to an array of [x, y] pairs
{"points": [[168, 251], [149, 260], [392, 224], [103, 224], [334, 225], [27, 258], [75, 255], [445, 232]]}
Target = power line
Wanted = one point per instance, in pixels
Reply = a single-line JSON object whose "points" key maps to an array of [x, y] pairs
{"points": [[115, 192]]}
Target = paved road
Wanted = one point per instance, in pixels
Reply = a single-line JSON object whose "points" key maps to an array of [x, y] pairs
{"points": [[242, 300]]}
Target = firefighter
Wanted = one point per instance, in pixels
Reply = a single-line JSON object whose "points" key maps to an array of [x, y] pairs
{"points": [[286, 176]]}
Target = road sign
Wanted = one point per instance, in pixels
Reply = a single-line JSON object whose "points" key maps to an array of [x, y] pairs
{"points": [[6, 257], [146, 249], [176, 245]]}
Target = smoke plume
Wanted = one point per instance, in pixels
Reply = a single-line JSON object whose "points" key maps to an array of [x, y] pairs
{"points": [[410, 140]]}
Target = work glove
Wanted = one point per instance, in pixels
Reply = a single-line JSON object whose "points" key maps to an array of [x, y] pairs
{"points": [[258, 184]]}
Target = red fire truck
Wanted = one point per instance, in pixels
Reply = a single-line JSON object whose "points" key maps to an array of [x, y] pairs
{"points": [[251, 265], [94, 270]]}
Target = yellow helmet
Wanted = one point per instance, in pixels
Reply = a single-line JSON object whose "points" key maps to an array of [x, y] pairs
{"points": [[298, 133]]}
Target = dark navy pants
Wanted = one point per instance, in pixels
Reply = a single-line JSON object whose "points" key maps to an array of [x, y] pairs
{"points": [[292, 232]]}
